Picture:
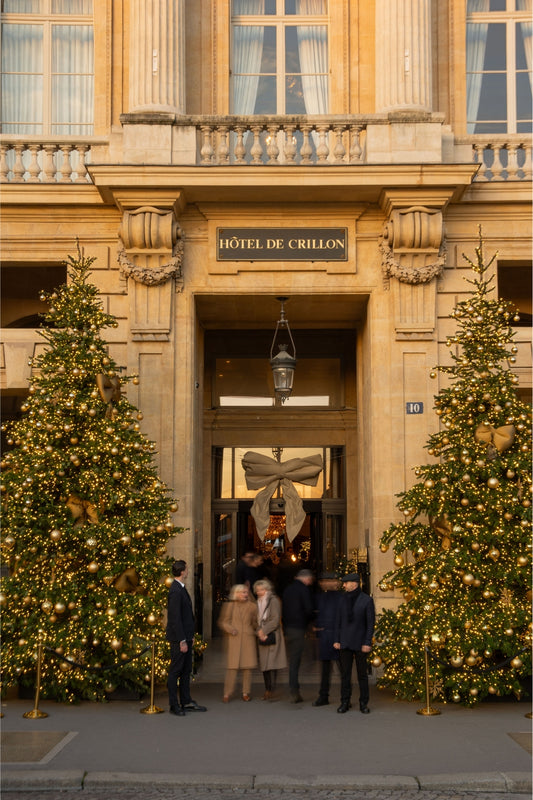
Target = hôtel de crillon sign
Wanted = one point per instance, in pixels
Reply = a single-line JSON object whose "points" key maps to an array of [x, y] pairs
{"points": [[282, 244]]}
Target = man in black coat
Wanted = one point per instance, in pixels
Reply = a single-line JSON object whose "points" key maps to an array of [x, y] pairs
{"points": [[298, 611], [180, 634], [353, 638], [327, 605]]}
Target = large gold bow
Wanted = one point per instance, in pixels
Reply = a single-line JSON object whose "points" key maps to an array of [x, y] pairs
{"points": [[129, 582], [443, 527], [82, 510], [500, 438], [109, 388], [261, 471]]}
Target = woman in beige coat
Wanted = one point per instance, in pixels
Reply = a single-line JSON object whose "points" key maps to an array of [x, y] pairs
{"points": [[238, 619], [271, 657]]}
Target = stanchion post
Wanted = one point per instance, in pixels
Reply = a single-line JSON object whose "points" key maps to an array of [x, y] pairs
{"points": [[152, 709], [428, 711], [35, 713]]}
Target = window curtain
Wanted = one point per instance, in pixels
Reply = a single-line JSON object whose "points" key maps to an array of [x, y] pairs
{"points": [[22, 80], [313, 52], [476, 44], [72, 79], [247, 56], [527, 31]]}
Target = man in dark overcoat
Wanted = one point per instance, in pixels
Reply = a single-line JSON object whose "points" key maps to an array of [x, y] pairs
{"points": [[180, 634], [354, 630], [327, 604], [298, 611]]}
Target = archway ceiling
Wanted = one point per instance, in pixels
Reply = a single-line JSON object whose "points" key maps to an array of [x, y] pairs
{"points": [[262, 310]]}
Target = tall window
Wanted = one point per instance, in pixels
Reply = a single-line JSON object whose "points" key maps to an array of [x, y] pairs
{"points": [[498, 64], [47, 67], [280, 57]]}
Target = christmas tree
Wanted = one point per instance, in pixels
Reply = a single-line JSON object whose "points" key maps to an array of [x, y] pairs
{"points": [[85, 517], [463, 552]]}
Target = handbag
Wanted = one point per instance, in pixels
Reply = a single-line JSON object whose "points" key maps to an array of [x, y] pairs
{"points": [[270, 639]]}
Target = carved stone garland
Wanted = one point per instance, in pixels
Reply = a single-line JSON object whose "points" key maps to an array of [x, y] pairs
{"points": [[150, 246], [413, 245]]}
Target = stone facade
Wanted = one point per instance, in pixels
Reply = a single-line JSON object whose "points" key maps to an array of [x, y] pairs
{"points": [[166, 169]]}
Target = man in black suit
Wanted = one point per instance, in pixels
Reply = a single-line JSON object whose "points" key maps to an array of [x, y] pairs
{"points": [[180, 634], [353, 638]]}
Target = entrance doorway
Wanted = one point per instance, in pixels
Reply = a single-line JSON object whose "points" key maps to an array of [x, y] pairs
{"points": [[318, 546]]}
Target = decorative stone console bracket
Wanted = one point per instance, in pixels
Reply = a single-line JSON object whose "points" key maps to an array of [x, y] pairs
{"points": [[413, 244], [150, 253], [413, 249]]}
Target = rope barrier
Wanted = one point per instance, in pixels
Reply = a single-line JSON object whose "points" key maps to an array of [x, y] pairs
{"points": [[97, 669], [490, 668]]}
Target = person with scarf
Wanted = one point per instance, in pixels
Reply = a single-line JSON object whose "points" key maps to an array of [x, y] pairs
{"points": [[272, 657], [354, 629]]}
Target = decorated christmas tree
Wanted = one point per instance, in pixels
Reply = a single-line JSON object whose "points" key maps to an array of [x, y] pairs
{"points": [[462, 555], [86, 519]]}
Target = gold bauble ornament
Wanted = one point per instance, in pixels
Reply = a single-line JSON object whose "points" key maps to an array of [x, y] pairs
{"points": [[456, 698], [384, 547], [522, 561], [468, 579], [474, 692], [115, 644], [409, 668], [55, 535], [456, 661], [509, 632], [111, 612], [493, 483], [169, 581], [516, 663], [471, 661], [151, 619], [60, 608], [93, 567], [494, 553], [173, 506], [399, 561], [475, 546], [46, 606], [492, 690]]}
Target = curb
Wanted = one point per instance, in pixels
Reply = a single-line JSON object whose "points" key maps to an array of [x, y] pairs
{"points": [[41, 780]]}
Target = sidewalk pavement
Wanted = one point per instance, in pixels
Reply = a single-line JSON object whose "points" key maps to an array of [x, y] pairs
{"points": [[269, 744]]}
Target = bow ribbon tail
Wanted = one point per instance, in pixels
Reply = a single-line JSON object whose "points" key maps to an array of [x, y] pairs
{"points": [[294, 509], [261, 508]]}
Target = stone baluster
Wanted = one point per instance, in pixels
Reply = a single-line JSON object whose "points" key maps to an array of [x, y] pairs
{"points": [[18, 167], [289, 149], [322, 150], [33, 167], [526, 168], [272, 144], [79, 166], [356, 150], [239, 149], [403, 55], [66, 166], [478, 153], [49, 167], [257, 149], [339, 151], [512, 163], [223, 146], [306, 150], [206, 151], [497, 167], [4, 169]]}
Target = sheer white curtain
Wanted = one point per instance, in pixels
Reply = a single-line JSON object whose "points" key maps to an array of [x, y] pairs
{"points": [[22, 80], [476, 44], [27, 79], [72, 79], [247, 55], [313, 52]]}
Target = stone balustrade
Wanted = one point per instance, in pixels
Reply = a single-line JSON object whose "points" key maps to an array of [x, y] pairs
{"points": [[248, 141], [501, 158]]}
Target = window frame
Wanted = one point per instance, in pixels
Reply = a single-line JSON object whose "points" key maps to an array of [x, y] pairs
{"points": [[510, 17], [280, 21]]}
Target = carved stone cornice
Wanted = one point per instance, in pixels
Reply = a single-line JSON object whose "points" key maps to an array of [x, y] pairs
{"points": [[150, 246], [413, 244]]}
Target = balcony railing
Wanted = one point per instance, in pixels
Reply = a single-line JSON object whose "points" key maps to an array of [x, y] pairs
{"points": [[249, 141]]}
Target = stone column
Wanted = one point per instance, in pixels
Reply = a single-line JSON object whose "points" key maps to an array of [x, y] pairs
{"points": [[403, 55], [156, 61]]}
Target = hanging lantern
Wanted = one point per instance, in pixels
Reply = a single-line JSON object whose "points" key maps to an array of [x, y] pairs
{"points": [[283, 363]]}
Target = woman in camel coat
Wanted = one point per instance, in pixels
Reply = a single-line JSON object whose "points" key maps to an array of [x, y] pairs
{"points": [[238, 619], [271, 657]]}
